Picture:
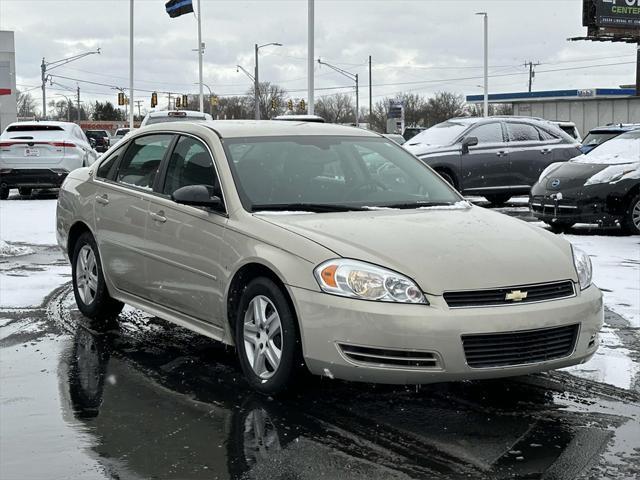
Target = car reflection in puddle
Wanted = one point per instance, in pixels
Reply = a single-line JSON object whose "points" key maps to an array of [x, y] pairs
{"points": [[159, 408]]}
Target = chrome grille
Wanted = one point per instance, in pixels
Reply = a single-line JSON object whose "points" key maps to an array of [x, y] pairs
{"points": [[385, 357], [520, 347], [499, 296]]}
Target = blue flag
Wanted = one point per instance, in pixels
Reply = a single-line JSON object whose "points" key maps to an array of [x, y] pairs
{"points": [[175, 8]]}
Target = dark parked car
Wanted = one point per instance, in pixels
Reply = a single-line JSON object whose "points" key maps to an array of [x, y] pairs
{"points": [[495, 157], [101, 139], [599, 135], [410, 132], [601, 187]]}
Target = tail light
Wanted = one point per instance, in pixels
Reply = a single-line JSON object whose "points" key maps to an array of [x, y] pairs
{"points": [[7, 144], [63, 144]]}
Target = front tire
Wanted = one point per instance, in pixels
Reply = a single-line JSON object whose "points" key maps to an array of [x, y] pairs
{"points": [[266, 337], [631, 220], [89, 286], [499, 199], [4, 193]]}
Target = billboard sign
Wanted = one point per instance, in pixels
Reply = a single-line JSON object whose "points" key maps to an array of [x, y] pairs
{"points": [[617, 13]]}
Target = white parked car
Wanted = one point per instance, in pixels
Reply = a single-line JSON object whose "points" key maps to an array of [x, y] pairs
{"points": [[41, 154], [119, 135], [163, 116]]}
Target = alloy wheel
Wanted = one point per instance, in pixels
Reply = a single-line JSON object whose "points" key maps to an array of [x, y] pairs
{"points": [[635, 215], [86, 275], [262, 333]]}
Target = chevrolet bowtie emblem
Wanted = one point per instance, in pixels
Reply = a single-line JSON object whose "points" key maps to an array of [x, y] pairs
{"points": [[516, 296]]}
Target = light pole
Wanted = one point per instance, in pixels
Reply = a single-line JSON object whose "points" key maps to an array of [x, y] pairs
{"points": [[486, 62], [210, 93], [352, 76], [131, 63], [46, 67], [256, 81], [310, 55]]}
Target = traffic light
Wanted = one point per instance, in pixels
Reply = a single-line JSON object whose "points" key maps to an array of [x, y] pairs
{"points": [[290, 104], [213, 100], [121, 98], [185, 101], [274, 104], [154, 99], [303, 105], [178, 102]]}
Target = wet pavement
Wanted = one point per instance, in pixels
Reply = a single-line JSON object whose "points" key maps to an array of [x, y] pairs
{"points": [[150, 400]]}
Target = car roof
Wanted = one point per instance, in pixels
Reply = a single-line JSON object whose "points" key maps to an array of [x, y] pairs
{"points": [[44, 122], [262, 128], [165, 113], [617, 128]]}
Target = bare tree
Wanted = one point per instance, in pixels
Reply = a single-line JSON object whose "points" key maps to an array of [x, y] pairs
{"points": [[233, 108], [26, 105], [443, 106], [337, 108], [271, 98], [477, 110]]}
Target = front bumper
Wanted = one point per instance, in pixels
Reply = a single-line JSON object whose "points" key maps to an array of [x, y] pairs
{"points": [[32, 177], [327, 322]]}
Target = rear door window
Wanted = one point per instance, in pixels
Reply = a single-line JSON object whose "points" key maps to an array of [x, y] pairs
{"points": [[190, 164], [141, 160], [522, 132]]}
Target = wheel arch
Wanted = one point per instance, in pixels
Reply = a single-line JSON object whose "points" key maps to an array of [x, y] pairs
{"points": [[240, 280], [76, 230], [449, 171]]}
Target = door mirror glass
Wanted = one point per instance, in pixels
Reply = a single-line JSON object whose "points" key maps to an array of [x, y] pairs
{"points": [[196, 196]]}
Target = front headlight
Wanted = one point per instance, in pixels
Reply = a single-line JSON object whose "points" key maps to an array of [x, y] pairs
{"points": [[548, 170], [582, 263], [355, 279]]}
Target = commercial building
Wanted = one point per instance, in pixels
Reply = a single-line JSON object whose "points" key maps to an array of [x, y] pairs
{"points": [[8, 94], [587, 108]]}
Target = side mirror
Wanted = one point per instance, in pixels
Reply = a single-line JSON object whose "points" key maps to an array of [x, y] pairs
{"points": [[469, 142], [92, 142], [196, 196]]}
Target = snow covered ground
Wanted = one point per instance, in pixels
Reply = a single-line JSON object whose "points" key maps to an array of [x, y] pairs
{"points": [[31, 266]]}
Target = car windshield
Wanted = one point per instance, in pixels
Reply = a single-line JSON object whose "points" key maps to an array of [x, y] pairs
{"points": [[442, 134], [331, 173], [122, 132], [624, 148], [594, 139]]}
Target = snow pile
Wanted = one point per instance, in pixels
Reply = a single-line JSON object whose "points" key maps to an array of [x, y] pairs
{"points": [[28, 221], [623, 149], [7, 250]]}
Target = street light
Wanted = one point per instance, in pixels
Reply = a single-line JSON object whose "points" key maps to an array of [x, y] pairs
{"points": [[256, 80], [48, 66], [486, 62], [244, 70], [351, 76], [210, 92]]}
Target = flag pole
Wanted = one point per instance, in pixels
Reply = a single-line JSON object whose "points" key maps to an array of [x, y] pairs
{"points": [[200, 56], [131, 63]]}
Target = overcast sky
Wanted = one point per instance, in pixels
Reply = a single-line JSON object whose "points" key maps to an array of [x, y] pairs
{"points": [[429, 45]]}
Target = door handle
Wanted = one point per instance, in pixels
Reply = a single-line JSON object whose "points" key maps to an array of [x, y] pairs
{"points": [[545, 151], [502, 153], [102, 199], [158, 217]]}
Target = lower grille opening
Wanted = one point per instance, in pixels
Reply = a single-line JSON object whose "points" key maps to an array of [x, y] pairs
{"points": [[520, 347], [389, 357]]}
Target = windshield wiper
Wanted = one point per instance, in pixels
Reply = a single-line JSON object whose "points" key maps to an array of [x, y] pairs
{"points": [[409, 205], [307, 207]]}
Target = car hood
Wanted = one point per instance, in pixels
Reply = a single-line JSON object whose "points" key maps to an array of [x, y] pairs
{"points": [[441, 249], [419, 149], [569, 175]]}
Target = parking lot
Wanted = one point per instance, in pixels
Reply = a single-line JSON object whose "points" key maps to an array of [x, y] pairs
{"points": [[151, 400]]}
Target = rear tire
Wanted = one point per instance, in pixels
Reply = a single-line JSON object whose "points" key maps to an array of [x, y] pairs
{"points": [[267, 340], [560, 227], [631, 220], [4, 193], [89, 286], [25, 191], [498, 199]]}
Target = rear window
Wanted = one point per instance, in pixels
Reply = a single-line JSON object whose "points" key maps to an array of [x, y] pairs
{"points": [[33, 128]]}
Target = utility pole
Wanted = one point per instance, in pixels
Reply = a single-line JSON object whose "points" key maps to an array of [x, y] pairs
{"points": [[169, 105], [370, 95], [200, 52], [131, 63], [352, 76], [532, 72], [256, 89], [138, 103], [78, 90], [486, 62], [48, 66], [310, 55]]}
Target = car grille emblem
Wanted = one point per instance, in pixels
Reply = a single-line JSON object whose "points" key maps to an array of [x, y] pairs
{"points": [[516, 296], [555, 183]]}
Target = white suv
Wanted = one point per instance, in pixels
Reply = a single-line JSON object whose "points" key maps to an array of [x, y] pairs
{"points": [[163, 116], [41, 154]]}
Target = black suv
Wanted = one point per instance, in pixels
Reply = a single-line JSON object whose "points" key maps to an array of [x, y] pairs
{"points": [[495, 157], [101, 139]]}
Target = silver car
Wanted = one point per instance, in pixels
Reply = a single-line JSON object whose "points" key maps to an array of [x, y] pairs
{"points": [[321, 247]]}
